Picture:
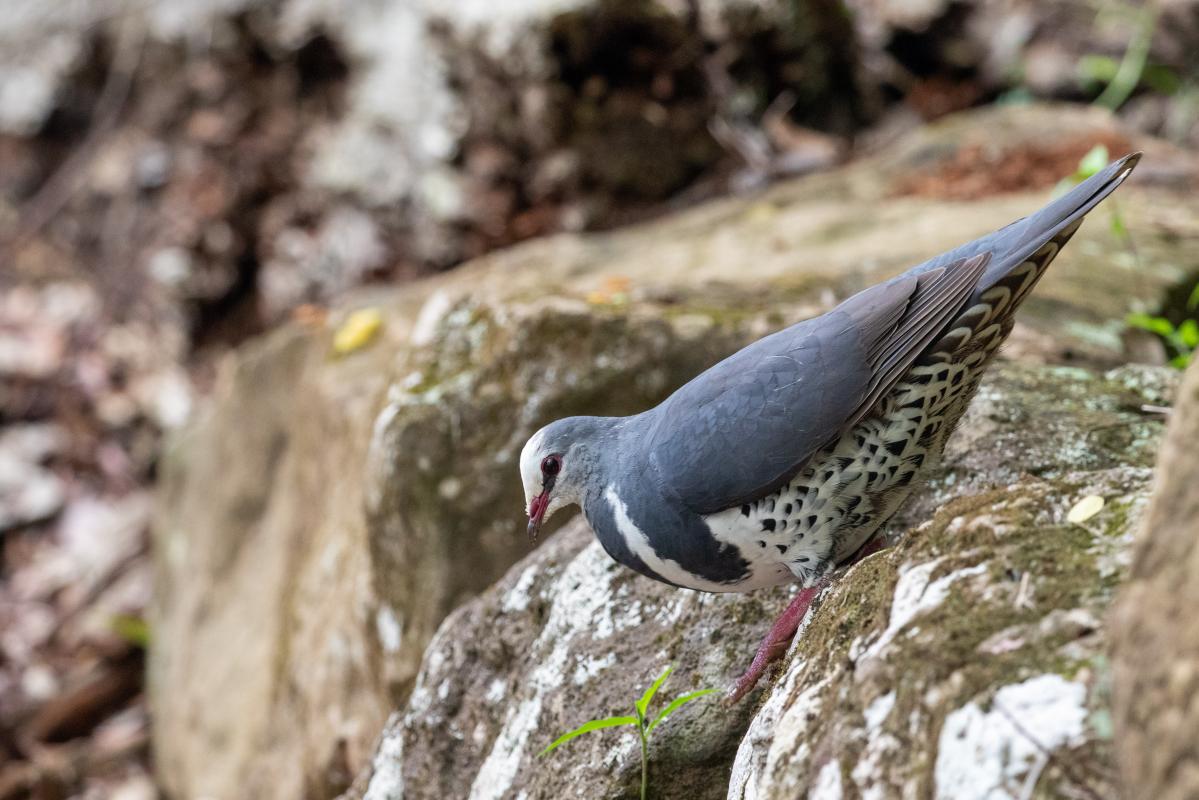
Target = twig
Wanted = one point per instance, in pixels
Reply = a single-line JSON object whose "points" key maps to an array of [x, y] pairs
{"points": [[1034, 775], [1050, 756], [1022, 600], [59, 187]]}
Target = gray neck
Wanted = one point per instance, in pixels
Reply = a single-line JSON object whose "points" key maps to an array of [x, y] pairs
{"points": [[609, 454]]}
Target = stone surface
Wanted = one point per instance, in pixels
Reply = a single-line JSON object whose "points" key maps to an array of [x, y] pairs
{"points": [[352, 502], [260, 655], [1155, 645], [899, 684]]}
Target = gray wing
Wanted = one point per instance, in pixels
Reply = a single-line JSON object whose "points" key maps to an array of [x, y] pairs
{"points": [[746, 426]]}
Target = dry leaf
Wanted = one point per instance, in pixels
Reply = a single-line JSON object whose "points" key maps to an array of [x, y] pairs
{"points": [[357, 331], [1084, 509]]}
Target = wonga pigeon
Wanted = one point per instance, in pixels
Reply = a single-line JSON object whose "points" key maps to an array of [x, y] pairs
{"points": [[782, 461]]}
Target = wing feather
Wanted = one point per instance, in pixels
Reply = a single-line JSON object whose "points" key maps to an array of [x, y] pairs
{"points": [[745, 427]]}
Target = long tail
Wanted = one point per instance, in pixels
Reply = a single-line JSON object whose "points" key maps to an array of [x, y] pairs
{"points": [[1021, 253], [1015, 244]]}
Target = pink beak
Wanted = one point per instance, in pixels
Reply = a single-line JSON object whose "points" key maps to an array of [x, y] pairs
{"points": [[537, 513]]}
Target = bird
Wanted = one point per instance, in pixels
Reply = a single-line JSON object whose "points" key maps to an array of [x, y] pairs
{"points": [[781, 463]]}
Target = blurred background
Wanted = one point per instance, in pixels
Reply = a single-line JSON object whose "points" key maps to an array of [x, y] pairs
{"points": [[179, 176]]}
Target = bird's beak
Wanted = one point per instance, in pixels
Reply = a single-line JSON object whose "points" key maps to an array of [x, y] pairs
{"points": [[537, 513]]}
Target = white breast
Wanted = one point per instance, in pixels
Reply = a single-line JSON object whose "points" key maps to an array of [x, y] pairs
{"points": [[762, 573]]}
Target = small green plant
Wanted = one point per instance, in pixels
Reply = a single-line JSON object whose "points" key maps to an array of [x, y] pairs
{"points": [[1122, 78], [132, 629], [1181, 339], [641, 721]]}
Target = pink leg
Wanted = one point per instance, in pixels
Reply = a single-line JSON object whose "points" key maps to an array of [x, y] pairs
{"points": [[775, 645]]}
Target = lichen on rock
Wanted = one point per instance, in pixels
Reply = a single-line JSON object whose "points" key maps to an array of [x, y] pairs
{"points": [[991, 607]]}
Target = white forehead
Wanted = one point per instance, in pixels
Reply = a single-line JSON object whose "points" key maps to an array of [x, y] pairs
{"points": [[530, 464]]}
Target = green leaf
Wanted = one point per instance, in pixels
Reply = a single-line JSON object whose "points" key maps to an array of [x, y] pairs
{"points": [[1182, 361], [132, 629], [643, 703], [1119, 229], [1161, 79], [1193, 300], [1093, 162], [588, 727], [1159, 325], [1097, 69], [678, 703], [1188, 333]]}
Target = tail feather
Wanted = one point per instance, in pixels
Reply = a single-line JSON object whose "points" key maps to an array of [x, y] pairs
{"points": [[1016, 243], [1013, 245], [1022, 252]]}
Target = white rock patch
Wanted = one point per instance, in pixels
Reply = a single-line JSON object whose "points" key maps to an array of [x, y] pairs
{"points": [[517, 598], [828, 783], [779, 729], [589, 668], [915, 595], [988, 755], [387, 780], [580, 606], [867, 773]]}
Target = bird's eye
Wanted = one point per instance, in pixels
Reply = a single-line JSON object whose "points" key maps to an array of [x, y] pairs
{"points": [[550, 465]]}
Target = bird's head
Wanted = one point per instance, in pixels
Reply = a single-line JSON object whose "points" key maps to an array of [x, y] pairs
{"points": [[554, 466]]}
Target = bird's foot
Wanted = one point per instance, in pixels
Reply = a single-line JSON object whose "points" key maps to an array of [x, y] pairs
{"points": [[775, 645]]}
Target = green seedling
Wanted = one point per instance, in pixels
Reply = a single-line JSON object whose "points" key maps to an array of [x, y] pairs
{"points": [[640, 720], [132, 629], [1123, 78], [1181, 339]]}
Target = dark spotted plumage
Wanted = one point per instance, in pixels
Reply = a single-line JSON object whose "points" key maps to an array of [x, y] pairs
{"points": [[860, 480]]}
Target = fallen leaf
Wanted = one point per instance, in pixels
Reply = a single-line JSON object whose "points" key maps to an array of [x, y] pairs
{"points": [[1084, 509], [616, 284], [310, 315], [760, 212], [359, 329]]}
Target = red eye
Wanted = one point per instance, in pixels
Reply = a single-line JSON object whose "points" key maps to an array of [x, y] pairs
{"points": [[550, 465]]}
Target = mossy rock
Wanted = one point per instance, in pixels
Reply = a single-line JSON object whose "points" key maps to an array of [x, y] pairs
{"points": [[989, 594]]}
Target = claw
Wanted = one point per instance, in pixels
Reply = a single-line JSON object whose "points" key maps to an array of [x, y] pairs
{"points": [[775, 645], [778, 640]]}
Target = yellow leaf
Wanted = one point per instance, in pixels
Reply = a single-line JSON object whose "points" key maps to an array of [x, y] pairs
{"points": [[357, 331], [1084, 509]]}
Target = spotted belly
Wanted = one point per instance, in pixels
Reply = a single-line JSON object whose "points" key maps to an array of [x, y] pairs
{"points": [[849, 489]]}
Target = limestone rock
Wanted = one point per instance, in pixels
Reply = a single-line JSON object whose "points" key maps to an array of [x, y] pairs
{"points": [[323, 514], [895, 685], [261, 658], [1155, 647]]}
